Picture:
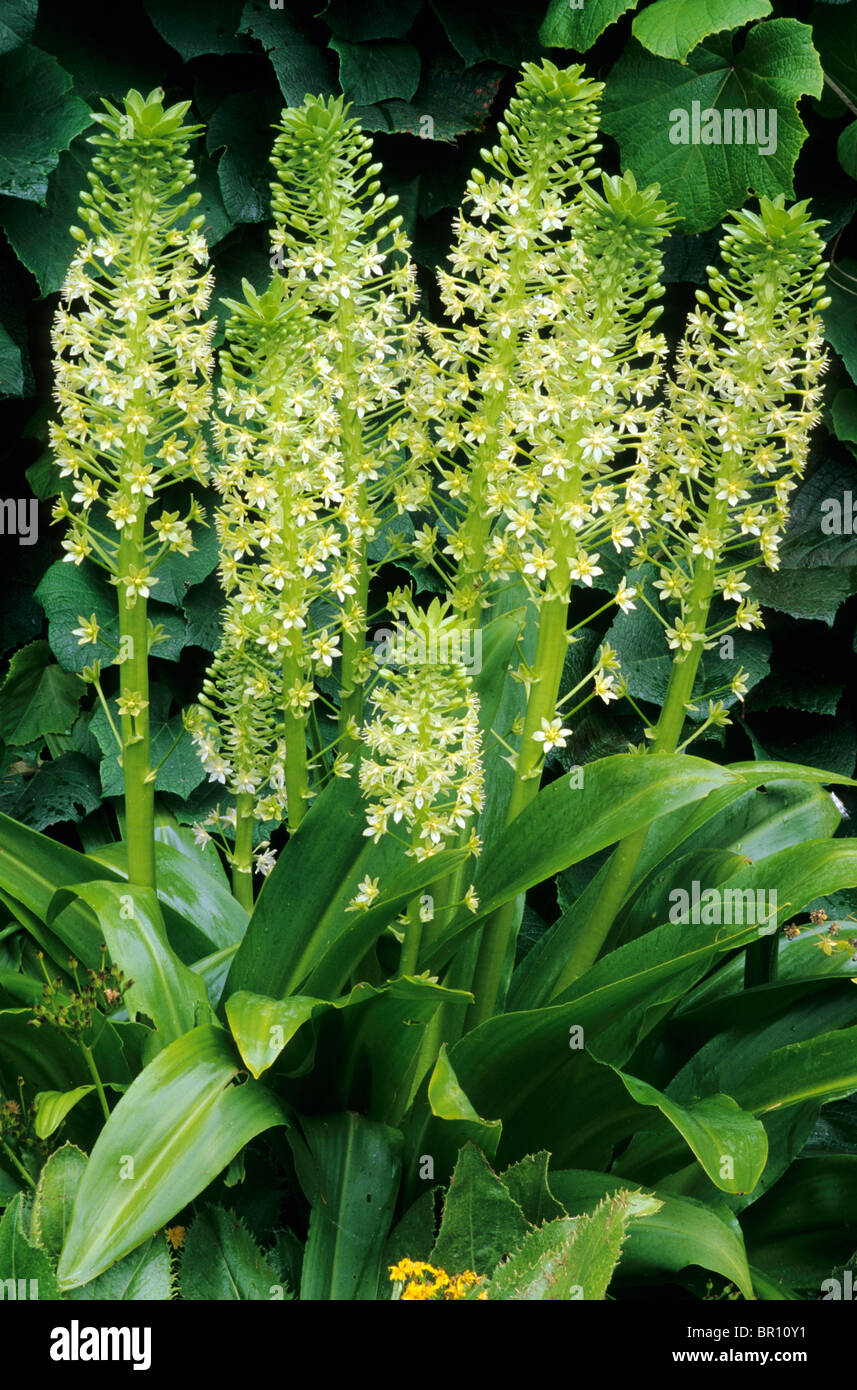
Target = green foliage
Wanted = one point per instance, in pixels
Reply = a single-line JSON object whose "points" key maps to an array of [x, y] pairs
{"points": [[680, 1102]]}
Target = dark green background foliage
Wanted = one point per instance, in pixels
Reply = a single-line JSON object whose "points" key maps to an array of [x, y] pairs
{"points": [[400, 62]]}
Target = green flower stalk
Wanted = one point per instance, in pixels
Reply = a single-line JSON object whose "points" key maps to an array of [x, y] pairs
{"points": [[335, 237], [133, 368], [280, 552], [541, 391], [744, 398]]}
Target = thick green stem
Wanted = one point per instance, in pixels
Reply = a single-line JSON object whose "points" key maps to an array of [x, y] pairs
{"points": [[134, 682], [242, 859], [547, 674], [595, 929]]}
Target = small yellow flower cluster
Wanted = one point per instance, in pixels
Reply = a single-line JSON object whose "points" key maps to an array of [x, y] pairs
{"points": [[422, 1282]]}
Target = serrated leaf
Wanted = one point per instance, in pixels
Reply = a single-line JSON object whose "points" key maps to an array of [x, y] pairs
{"points": [[683, 1232], [39, 235], [483, 30], [573, 1257], [241, 126], [37, 697], [17, 23], [55, 1194], [578, 26], [142, 1276], [453, 100], [647, 98], [20, 1260], [481, 1222], [221, 1260], [299, 66], [370, 19], [671, 28], [64, 788], [70, 592], [527, 1182], [196, 30], [370, 72], [180, 771], [38, 119]]}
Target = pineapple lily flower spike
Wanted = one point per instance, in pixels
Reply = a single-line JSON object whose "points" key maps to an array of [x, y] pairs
{"points": [[743, 400], [536, 399], [132, 383]]}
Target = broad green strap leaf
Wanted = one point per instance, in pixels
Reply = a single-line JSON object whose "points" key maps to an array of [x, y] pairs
{"points": [[261, 1026], [179, 1125], [302, 906], [191, 892], [450, 1120], [730, 1144], [342, 957], [822, 1069], [55, 1194], [672, 28], [572, 1257], [169, 832], [681, 1233], [349, 1169], [53, 1106], [747, 822], [807, 1223], [566, 823], [164, 989], [481, 1221], [25, 1270], [222, 1261], [32, 868], [383, 1059]]}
